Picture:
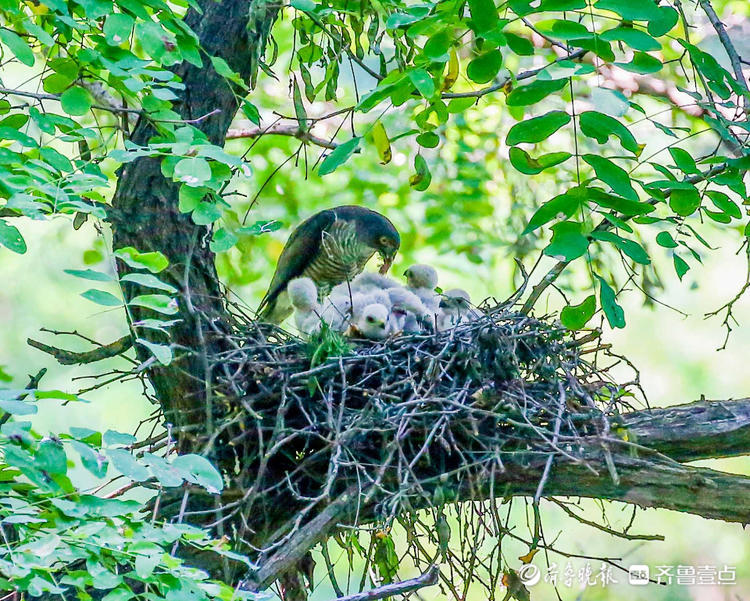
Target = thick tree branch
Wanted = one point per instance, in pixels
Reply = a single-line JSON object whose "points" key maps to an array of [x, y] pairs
{"points": [[699, 430]]}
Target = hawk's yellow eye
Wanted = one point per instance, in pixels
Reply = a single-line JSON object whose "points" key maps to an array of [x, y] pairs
{"points": [[384, 241]]}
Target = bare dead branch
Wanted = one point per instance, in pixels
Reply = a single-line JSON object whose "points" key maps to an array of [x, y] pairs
{"points": [[734, 58], [429, 578], [65, 357]]}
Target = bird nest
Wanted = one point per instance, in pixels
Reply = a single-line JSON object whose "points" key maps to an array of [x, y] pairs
{"points": [[410, 422]]}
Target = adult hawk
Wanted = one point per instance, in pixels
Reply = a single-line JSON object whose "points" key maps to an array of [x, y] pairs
{"points": [[330, 247]]}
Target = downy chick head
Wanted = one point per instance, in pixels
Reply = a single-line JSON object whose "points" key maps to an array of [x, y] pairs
{"points": [[373, 322], [421, 276], [303, 294], [404, 299]]}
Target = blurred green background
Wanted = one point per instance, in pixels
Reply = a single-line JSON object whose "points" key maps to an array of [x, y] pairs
{"points": [[467, 225]]}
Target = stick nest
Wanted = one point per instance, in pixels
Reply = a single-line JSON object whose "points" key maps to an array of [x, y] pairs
{"points": [[295, 426]]}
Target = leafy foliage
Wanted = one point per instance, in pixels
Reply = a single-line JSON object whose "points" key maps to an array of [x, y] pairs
{"points": [[67, 540]]}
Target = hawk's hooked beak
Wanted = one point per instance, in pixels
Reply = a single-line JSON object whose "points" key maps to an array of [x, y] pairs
{"points": [[387, 262]]}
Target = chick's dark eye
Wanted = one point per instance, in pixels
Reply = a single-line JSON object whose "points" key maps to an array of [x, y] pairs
{"points": [[370, 319]]}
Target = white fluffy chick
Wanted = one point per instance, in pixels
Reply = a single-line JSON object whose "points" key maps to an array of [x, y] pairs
{"points": [[455, 307], [340, 310], [303, 294], [408, 313], [372, 323], [367, 281], [421, 280]]}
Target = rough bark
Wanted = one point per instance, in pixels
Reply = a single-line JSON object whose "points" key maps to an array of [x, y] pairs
{"points": [[145, 213]]}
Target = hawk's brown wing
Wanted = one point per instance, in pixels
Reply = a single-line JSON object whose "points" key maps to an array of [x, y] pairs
{"points": [[299, 251]]}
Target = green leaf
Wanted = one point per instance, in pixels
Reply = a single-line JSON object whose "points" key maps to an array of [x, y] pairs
{"points": [[664, 22], [260, 227], [76, 101], [15, 407], [162, 352], [422, 177], [680, 266], [631, 248], [113, 437], [100, 297], [299, 106], [156, 302], [385, 558], [17, 46], [50, 457], [642, 63], [563, 29], [665, 239], [631, 10], [423, 82], [635, 38], [121, 593], [520, 45], [574, 317], [684, 161], [223, 240], [90, 274], [154, 261], [483, 16], [612, 175], [684, 201], [485, 67], [124, 462], [117, 28], [568, 243], [561, 5], [206, 213], [725, 204], [563, 205], [621, 205], [459, 105], [428, 139], [94, 462], [339, 156], [537, 129], [163, 471], [304, 5], [534, 92], [525, 163], [382, 143], [148, 280], [11, 238], [600, 127], [198, 470], [608, 300], [612, 102], [193, 171]]}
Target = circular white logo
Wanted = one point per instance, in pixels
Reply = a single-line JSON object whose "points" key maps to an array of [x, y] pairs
{"points": [[529, 574]]}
